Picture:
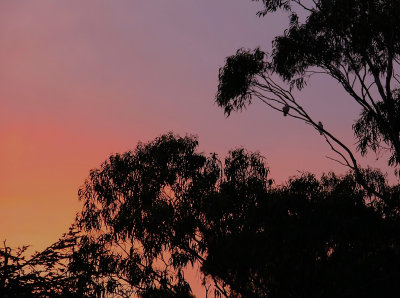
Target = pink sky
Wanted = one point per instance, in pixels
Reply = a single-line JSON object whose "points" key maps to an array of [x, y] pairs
{"points": [[80, 80]]}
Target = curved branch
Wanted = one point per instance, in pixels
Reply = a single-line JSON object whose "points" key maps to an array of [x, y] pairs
{"points": [[285, 97]]}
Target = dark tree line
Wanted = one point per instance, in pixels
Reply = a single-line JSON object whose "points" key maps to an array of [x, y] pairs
{"points": [[150, 213]]}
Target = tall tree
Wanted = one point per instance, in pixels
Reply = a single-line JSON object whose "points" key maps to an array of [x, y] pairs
{"points": [[355, 42], [140, 209]]}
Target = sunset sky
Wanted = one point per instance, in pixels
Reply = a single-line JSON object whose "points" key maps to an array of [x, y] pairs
{"points": [[82, 79]]}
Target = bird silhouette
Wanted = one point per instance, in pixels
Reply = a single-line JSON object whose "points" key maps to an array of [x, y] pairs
{"points": [[320, 127], [285, 109]]}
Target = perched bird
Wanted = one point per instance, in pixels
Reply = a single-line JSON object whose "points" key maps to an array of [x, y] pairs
{"points": [[270, 181], [320, 127], [285, 109]]}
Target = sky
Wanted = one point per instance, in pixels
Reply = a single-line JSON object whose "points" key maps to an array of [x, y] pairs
{"points": [[83, 79]]}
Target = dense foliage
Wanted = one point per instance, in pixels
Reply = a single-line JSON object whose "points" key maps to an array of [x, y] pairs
{"points": [[48, 273], [152, 213], [165, 206]]}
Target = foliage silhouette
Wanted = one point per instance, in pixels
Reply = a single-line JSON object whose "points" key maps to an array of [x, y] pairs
{"points": [[149, 214], [164, 206], [43, 274], [355, 42], [139, 207]]}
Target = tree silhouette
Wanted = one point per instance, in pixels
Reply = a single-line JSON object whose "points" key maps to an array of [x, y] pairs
{"points": [[152, 212], [309, 238], [140, 209], [357, 43], [43, 274]]}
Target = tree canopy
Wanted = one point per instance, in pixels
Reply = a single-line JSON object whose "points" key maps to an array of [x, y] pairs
{"points": [[151, 213], [355, 42], [53, 272], [164, 206]]}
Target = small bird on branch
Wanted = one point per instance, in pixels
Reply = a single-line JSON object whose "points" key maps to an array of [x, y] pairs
{"points": [[285, 109], [320, 127]]}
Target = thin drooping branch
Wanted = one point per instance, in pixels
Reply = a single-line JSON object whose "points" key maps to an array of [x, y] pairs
{"points": [[387, 99], [298, 2], [275, 94]]}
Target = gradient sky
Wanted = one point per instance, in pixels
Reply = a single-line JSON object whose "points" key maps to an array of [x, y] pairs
{"points": [[81, 79]]}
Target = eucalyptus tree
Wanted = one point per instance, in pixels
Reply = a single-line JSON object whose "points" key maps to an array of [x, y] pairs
{"points": [[355, 42], [140, 207]]}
